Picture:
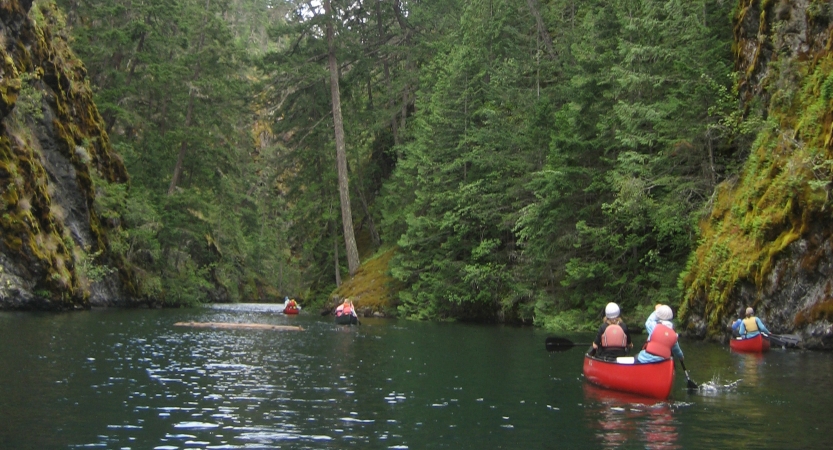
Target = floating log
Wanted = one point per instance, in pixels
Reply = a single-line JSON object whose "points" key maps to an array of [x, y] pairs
{"points": [[247, 326]]}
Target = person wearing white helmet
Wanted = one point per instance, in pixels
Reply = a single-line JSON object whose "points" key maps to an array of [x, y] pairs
{"points": [[613, 339], [661, 312], [662, 339]]}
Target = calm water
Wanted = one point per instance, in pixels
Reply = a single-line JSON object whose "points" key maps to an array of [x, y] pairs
{"points": [[131, 380]]}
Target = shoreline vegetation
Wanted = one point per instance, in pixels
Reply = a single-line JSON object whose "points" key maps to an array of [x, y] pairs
{"points": [[523, 164]]}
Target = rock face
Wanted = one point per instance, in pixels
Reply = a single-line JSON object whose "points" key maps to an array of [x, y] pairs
{"points": [[54, 252], [767, 242]]}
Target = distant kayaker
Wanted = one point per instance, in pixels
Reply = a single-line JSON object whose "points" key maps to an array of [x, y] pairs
{"points": [[345, 308], [662, 340], [752, 326], [613, 339]]}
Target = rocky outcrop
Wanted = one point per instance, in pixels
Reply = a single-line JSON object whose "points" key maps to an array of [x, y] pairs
{"points": [[767, 242], [54, 251]]}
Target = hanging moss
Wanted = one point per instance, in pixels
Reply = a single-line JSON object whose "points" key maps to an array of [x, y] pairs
{"points": [[32, 224], [784, 189]]}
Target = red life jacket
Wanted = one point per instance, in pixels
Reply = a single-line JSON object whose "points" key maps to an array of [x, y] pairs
{"points": [[661, 341], [344, 309], [614, 336]]}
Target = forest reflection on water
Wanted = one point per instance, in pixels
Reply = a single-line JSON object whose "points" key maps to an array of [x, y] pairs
{"points": [[130, 379], [626, 419]]}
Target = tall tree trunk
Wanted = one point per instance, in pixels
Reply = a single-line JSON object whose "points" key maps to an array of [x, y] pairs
{"points": [[183, 146], [335, 255], [341, 151], [382, 39], [397, 9], [374, 235], [542, 29], [110, 116]]}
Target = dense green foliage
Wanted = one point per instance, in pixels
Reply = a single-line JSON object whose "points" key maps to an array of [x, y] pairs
{"points": [[569, 189], [554, 155], [177, 75], [531, 160]]}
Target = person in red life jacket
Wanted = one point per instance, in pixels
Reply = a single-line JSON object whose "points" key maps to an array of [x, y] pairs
{"points": [[663, 341], [613, 339], [346, 308]]}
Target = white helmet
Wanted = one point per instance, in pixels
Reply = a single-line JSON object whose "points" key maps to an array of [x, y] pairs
{"points": [[612, 310], [664, 312]]}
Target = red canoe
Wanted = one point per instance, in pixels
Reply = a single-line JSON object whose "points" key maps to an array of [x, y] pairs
{"points": [[757, 344], [290, 310], [650, 380]]}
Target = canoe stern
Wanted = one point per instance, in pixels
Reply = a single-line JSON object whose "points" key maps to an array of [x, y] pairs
{"points": [[651, 380]]}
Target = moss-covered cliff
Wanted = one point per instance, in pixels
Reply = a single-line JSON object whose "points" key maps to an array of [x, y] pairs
{"points": [[53, 246], [767, 240]]}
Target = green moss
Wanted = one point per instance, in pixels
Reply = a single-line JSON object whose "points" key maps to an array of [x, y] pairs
{"points": [[372, 286], [773, 204]]}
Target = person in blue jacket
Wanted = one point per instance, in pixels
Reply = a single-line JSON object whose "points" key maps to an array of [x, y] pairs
{"points": [[664, 343], [752, 326], [736, 325]]}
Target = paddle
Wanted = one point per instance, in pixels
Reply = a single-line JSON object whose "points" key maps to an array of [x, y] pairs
{"points": [[784, 340], [559, 344], [690, 384]]}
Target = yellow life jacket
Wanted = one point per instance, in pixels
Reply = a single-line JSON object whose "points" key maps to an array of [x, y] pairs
{"points": [[750, 324]]}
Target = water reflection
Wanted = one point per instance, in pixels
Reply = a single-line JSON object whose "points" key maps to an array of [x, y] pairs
{"points": [[749, 366], [621, 419], [131, 379]]}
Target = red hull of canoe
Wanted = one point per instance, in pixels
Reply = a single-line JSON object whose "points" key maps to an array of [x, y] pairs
{"points": [[757, 344], [650, 380], [290, 310]]}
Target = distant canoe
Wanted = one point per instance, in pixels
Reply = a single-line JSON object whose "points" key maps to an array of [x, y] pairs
{"points": [[234, 326], [347, 319], [291, 310], [648, 379], [756, 344]]}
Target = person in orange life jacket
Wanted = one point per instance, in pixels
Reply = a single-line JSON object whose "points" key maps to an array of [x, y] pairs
{"points": [[662, 340], [345, 308], [752, 326], [613, 338]]}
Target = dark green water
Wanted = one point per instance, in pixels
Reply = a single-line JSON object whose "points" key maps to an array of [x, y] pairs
{"points": [[131, 380]]}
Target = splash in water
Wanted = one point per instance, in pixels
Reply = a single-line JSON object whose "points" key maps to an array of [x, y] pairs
{"points": [[717, 386]]}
